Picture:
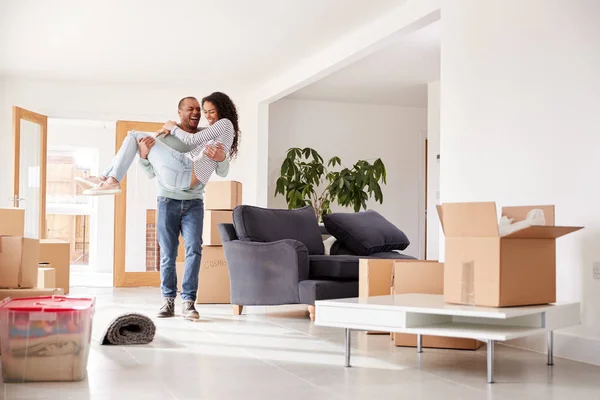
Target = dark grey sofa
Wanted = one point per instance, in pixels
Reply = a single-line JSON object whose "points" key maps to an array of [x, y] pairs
{"points": [[277, 257]]}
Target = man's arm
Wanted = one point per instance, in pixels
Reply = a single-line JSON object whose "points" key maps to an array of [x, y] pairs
{"points": [[145, 144], [217, 153], [223, 168]]}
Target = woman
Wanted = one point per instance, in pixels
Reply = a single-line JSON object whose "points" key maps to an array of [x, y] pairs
{"points": [[174, 169]]}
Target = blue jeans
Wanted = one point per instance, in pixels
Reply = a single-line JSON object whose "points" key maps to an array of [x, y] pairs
{"points": [[187, 217], [172, 168]]}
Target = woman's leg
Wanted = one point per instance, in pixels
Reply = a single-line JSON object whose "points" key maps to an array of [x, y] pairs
{"points": [[172, 168], [116, 171]]}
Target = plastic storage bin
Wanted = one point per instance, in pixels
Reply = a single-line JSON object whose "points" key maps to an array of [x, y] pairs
{"points": [[45, 338]]}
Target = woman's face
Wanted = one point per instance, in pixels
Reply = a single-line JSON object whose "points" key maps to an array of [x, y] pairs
{"points": [[210, 112]]}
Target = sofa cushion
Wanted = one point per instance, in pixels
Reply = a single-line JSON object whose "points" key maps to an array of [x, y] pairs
{"points": [[366, 232], [333, 267], [257, 224], [391, 255]]}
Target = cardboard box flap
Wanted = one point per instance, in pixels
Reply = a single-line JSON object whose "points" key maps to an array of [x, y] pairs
{"points": [[543, 232], [520, 213], [441, 215], [470, 219]]}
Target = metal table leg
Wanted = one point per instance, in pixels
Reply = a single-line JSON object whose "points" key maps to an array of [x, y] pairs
{"points": [[348, 343], [490, 361], [419, 343], [550, 342]]}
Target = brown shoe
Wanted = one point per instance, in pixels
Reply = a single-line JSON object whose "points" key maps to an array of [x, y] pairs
{"points": [[189, 311], [168, 308]]}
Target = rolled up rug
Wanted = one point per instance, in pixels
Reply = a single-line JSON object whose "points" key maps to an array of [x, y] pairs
{"points": [[130, 328]]}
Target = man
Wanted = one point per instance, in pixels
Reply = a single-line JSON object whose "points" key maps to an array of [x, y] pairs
{"points": [[181, 212]]}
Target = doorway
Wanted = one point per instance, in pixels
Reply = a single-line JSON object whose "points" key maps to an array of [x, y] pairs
{"points": [[78, 148]]}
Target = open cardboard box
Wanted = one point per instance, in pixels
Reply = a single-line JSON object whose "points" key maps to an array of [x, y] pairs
{"points": [[481, 268]]}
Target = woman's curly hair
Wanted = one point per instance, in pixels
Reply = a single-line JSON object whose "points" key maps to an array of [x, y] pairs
{"points": [[226, 109]]}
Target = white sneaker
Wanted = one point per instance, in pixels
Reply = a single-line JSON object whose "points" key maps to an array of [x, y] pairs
{"points": [[104, 188], [88, 182]]}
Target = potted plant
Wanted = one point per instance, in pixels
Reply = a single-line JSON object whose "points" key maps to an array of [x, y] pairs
{"points": [[305, 179]]}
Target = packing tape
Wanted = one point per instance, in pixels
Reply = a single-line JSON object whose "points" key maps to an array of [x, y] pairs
{"points": [[467, 284]]}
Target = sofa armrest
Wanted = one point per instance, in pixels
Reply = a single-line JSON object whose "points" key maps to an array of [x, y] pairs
{"points": [[266, 273]]}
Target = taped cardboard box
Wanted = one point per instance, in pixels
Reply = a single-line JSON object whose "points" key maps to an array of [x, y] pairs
{"points": [[222, 195], [424, 277], [12, 221], [213, 281], [58, 254], [46, 276], [18, 262], [484, 269], [374, 279], [210, 230]]}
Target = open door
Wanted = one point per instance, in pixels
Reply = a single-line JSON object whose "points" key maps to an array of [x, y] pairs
{"points": [[133, 208], [30, 132]]}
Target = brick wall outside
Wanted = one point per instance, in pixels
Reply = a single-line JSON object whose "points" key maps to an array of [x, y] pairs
{"points": [[152, 247]]}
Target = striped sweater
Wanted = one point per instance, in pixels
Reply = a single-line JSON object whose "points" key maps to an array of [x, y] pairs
{"points": [[221, 131]]}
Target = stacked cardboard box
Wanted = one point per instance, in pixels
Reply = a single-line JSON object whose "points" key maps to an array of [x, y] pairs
{"points": [[20, 258], [220, 199]]}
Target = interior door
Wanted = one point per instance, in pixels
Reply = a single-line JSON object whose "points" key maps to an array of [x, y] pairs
{"points": [[136, 250], [30, 132]]}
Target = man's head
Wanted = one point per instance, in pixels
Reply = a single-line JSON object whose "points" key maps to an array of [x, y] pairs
{"points": [[189, 114]]}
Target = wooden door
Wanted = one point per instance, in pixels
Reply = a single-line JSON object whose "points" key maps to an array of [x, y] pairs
{"points": [[30, 133], [121, 276]]}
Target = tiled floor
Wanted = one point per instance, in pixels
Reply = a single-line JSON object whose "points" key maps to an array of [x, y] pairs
{"points": [[276, 353]]}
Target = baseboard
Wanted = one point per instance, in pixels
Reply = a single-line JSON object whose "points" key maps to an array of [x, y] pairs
{"points": [[584, 349]]}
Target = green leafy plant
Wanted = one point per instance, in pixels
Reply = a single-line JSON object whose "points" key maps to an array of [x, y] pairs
{"points": [[305, 180]]}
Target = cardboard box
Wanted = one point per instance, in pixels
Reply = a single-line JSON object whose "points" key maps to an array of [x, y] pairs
{"points": [[12, 221], [179, 269], [180, 250], [213, 282], [46, 277], [484, 269], [18, 262], [374, 279], [222, 195], [424, 277], [23, 293], [58, 254], [210, 230]]}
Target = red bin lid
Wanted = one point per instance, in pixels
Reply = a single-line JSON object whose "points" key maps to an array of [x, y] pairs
{"points": [[48, 304]]}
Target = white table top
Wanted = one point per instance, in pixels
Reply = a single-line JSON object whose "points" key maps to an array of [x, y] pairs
{"points": [[434, 304]]}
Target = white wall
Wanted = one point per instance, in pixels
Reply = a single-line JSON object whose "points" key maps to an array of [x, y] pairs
{"points": [[6, 150], [353, 132], [433, 170], [98, 135], [520, 126], [114, 102]]}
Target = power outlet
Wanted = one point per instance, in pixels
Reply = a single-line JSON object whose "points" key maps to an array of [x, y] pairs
{"points": [[596, 270]]}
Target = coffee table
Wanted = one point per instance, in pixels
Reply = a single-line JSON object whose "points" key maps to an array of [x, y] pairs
{"points": [[425, 314]]}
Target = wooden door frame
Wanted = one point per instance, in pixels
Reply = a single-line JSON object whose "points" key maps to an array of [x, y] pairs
{"points": [[426, 193], [42, 120], [122, 278]]}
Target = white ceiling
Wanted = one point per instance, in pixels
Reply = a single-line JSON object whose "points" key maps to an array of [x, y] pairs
{"points": [[158, 41], [396, 75]]}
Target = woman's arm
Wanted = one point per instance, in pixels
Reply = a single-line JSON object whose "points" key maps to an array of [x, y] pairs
{"points": [[219, 128]]}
